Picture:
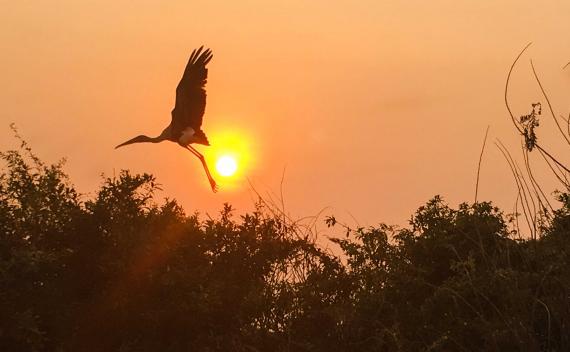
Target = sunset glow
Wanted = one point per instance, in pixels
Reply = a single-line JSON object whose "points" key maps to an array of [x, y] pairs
{"points": [[341, 103], [231, 156], [226, 166]]}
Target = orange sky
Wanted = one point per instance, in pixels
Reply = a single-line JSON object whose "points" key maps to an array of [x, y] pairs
{"points": [[371, 107]]}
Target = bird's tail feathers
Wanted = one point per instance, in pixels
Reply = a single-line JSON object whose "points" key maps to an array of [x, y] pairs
{"points": [[201, 138]]}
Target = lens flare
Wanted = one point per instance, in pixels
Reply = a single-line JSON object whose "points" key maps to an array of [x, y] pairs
{"points": [[226, 166]]}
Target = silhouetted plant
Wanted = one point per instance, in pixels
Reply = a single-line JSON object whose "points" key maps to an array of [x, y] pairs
{"points": [[125, 272], [534, 203], [529, 123]]}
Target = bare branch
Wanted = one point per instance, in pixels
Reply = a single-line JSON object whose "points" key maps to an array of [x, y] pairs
{"points": [[507, 88], [549, 105], [521, 191], [479, 165]]}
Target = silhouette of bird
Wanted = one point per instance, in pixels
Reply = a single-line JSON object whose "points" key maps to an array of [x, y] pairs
{"points": [[185, 127]]}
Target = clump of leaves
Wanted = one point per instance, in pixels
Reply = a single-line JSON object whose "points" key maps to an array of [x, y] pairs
{"points": [[529, 123]]}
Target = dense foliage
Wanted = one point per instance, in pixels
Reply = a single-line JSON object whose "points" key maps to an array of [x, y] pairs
{"points": [[120, 272]]}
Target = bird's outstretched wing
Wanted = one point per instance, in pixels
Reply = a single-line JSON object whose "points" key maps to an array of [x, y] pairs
{"points": [[190, 93]]}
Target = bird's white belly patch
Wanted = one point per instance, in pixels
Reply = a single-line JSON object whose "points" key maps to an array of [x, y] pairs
{"points": [[187, 136]]}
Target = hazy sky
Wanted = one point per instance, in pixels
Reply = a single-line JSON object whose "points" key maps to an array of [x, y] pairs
{"points": [[370, 107]]}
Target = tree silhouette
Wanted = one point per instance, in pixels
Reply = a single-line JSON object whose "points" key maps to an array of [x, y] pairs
{"points": [[122, 271]]}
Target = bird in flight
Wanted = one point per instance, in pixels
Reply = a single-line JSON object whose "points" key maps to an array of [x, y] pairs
{"points": [[185, 127]]}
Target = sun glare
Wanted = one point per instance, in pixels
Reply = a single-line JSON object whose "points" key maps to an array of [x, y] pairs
{"points": [[231, 157], [226, 166]]}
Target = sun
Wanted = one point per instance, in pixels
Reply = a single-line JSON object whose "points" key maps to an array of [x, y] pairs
{"points": [[226, 165], [230, 156]]}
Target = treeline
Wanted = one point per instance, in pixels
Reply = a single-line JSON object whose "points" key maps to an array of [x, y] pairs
{"points": [[120, 272]]}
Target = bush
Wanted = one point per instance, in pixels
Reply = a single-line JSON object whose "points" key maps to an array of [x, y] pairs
{"points": [[121, 272]]}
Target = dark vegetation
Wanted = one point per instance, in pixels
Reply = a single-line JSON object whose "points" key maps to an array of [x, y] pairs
{"points": [[120, 272]]}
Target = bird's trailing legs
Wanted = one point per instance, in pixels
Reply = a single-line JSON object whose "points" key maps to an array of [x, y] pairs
{"points": [[201, 157]]}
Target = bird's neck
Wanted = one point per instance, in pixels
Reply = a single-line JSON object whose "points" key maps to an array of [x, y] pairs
{"points": [[166, 134], [155, 139]]}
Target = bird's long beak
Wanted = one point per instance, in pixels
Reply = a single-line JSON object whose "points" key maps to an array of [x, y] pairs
{"points": [[137, 139], [125, 143]]}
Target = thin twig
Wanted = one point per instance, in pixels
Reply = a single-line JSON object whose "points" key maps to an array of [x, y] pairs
{"points": [[479, 165], [281, 190], [536, 185], [549, 105], [552, 158], [520, 188], [549, 322], [533, 215], [507, 88], [567, 120], [565, 183], [517, 215]]}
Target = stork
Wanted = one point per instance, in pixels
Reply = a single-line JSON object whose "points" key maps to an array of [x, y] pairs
{"points": [[185, 127]]}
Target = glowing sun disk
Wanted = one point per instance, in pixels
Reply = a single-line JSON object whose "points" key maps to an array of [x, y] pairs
{"points": [[226, 165]]}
